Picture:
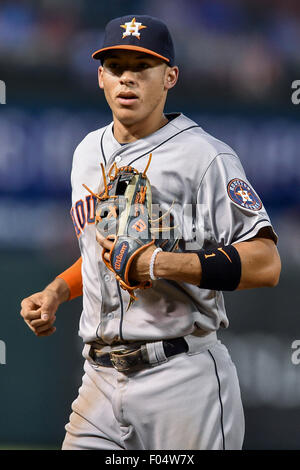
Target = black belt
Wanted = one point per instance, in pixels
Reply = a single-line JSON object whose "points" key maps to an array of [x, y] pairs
{"points": [[127, 360]]}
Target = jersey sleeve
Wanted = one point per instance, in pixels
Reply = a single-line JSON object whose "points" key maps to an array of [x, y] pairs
{"points": [[229, 210], [73, 277]]}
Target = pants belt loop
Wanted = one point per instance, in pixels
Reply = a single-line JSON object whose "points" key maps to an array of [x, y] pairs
{"points": [[156, 352], [160, 352]]}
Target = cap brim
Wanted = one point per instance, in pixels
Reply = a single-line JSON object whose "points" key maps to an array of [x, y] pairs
{"points": [[98, 54]]}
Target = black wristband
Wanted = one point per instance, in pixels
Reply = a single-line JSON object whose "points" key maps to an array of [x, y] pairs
{"points": [[221, 268]]}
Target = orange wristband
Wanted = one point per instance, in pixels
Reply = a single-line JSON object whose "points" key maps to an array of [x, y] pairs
{"points": [[72, 276]]}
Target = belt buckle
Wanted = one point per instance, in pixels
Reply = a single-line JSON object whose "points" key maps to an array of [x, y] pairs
{"points": [[117, 361], [125, 360]]}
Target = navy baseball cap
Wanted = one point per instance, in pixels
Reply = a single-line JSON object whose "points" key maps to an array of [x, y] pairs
{"points": [[138, 33]]}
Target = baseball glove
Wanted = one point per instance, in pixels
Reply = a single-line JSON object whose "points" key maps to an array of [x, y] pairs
{"points": [[124, 215]]}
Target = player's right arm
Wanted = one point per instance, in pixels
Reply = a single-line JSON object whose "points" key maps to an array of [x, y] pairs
{"points": [[39, 309]]}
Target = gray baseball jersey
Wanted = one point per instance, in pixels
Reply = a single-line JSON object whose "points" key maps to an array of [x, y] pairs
{"points": [[197, 171], [191, 400]]}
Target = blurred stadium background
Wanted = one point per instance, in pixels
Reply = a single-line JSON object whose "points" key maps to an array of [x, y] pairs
{"points": [[237, 62]]}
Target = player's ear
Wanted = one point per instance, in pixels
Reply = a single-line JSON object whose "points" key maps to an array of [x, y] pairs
{"points": [[100, 76], [171, 77]]}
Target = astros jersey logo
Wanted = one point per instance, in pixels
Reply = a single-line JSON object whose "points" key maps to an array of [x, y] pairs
{"points": [[245, 195], [242, 194], [132, 28]]}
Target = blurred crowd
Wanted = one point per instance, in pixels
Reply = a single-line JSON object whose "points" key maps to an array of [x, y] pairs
{"points": [[247, 49]]}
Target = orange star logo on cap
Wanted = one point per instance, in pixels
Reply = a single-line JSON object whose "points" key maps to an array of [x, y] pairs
{"points": [[132, 28]]}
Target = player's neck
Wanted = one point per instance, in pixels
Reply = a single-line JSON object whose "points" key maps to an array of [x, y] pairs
{"points": [[130, 133]]}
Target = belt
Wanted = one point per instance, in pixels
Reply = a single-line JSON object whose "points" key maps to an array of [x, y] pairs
{"points": [[127, 360]]}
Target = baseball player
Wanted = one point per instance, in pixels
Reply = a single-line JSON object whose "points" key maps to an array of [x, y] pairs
{"points": [[156, 375]]}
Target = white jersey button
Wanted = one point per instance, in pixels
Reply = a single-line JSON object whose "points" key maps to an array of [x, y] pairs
{"points": [[118, 159], [110, 316], [107, 277]]}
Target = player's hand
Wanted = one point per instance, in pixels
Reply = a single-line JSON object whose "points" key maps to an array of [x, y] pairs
{"points": [[38, 311], [105, 243], [139, 269]]}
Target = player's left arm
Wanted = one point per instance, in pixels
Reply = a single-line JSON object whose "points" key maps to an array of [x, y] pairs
{"points": [[260, 261], [259, 258]]}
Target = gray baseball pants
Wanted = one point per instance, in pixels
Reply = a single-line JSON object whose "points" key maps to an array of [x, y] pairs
{"points": [[186, 402]]}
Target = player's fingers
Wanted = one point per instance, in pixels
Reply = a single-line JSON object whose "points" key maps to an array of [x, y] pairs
{"points": [[48, 332], [39, 322], [42, 328], [99, 237], [29, 304], [105, 243], [49, 306], [29, 326], [31, 314]]}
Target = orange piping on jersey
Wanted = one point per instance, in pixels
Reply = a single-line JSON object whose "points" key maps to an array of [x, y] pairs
{"points": [[73, 277]]}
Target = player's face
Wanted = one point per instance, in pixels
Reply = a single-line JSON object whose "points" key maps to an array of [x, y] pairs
{"points": [[135, 85]]}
